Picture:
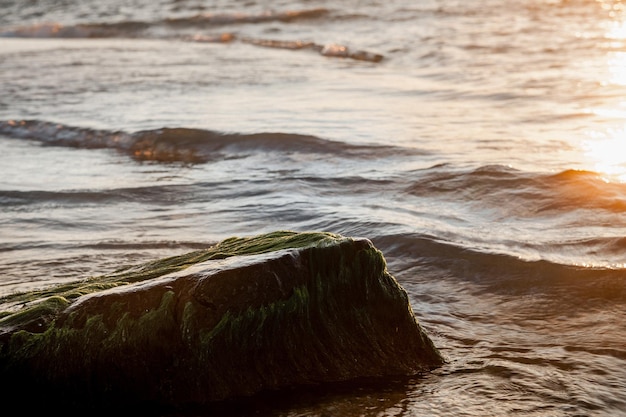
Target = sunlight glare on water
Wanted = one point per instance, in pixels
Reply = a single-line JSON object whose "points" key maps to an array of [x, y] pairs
{"points": [[607, 152], [484, 156], [604, 150]]}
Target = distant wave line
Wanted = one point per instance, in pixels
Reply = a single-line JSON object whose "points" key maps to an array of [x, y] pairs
{"points": [[188, 145], [130, 27], [135, 29]]}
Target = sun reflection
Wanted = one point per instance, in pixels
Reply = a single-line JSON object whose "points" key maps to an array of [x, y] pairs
{"points": [[614, 8], [616, 30], [607, 154], [616, 62], [604, 149]]}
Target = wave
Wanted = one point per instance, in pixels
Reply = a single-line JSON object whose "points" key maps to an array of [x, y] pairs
{"points": [[109, 245], [178, 28], [424, 256], [152, 194], [240, 18], [526, 194], [157, 195], [329, 50], [134, 28], [187, 145]]}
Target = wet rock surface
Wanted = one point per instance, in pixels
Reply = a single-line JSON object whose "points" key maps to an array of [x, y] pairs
{"points": [[247, 315]]}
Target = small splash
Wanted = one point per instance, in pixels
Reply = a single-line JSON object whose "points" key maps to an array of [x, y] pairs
{"points": [[329, 50]]}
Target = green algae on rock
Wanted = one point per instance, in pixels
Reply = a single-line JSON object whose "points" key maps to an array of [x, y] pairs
{"points": [[246, 315]]}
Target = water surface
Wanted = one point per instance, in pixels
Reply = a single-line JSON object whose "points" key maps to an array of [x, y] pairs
{"points": [[480, 146]]}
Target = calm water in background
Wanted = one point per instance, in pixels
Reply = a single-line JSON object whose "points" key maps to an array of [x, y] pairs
{"points": [[485, 155]]}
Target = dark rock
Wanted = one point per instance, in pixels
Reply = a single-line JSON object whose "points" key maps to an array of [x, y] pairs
{"points": [[249, 314]]}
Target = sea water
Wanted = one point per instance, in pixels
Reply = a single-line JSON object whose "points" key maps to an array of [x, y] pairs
{"points": [[480, 145]]}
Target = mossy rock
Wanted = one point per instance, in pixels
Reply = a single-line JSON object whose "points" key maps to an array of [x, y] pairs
{"points": [[249, 314]]}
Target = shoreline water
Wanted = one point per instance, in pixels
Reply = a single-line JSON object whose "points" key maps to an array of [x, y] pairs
{"points": [[483, 155]]}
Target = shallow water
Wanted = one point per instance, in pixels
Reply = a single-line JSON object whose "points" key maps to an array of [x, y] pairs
{"points": [[485, 155]]}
